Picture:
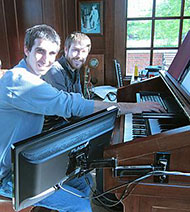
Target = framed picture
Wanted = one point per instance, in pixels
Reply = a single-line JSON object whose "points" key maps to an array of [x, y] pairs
{"points": [[91, 17]]}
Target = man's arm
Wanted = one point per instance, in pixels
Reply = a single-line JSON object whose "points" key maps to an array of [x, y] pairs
{"points": [[29, 93], [130, 107]]}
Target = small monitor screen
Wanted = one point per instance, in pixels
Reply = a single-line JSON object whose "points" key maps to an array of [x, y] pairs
{"points": [[185, 83], [181, 59], [43, 161]]}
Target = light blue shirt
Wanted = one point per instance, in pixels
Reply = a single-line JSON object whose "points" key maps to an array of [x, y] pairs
{"points": [[24, 100]]}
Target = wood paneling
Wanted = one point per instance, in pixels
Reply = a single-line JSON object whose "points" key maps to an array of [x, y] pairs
{"points": [[120, 33], [109, 42], [4, 50], [27, 14], [97, 73], [147, 195], [18, 15]]}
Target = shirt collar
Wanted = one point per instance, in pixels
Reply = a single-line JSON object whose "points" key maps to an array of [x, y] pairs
{"points": [[22, 64], [73, 73]]}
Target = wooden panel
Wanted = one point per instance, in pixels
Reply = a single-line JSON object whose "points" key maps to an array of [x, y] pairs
{"points": [[120, 38], [4, 50], [52, 15], [159, 201], [12, 32], [28, 13], [115, 38], [71, 15], [97, 73], [98, 44], [109, 43], [148, 196]]}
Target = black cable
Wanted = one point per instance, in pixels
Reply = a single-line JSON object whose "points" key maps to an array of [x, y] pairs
{"points": [[126, 191]]}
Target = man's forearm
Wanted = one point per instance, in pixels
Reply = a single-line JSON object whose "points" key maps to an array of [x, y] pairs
{"points": [[99, 105], [128, 107], [122, 106]]}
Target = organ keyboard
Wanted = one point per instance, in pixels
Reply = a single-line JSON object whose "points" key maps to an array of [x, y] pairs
{"points": [[138, 137], [140, 125]]}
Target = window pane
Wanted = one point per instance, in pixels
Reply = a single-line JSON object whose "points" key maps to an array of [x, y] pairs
{"points": [[186, 27], [166, 33], [157, 58], [167, 8], [139, 58], [139, 8], [138, 33], [163, 58], [187, 8]]}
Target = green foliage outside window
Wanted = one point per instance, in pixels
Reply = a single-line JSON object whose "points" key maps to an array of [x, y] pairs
{"points": [[166, 31]]}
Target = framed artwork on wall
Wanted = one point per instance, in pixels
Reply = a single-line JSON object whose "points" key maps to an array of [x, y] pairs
{"points": [[91, 17]]}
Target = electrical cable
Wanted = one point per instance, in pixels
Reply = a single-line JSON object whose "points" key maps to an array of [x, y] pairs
{"points": [[171, 173], [115, 188], [77, 195], [96, 191], [126, 191]]}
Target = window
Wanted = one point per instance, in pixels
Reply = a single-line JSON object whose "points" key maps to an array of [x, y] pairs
{"points": [[155, 30]]}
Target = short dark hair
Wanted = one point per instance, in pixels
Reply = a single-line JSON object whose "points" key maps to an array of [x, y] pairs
{"points": [[42, 31]]}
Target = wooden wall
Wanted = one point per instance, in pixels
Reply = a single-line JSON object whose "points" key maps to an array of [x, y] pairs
{"points": [[18, 15]]}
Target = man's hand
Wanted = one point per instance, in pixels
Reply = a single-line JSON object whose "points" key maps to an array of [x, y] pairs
{"points": [[140, 107], [127, 107]]}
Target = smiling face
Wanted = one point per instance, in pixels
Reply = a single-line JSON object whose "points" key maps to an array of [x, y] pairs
{"points": [[41, 56], [77, 53]]}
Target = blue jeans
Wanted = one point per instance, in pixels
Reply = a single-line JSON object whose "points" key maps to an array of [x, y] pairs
{"points": [[61, 200]]}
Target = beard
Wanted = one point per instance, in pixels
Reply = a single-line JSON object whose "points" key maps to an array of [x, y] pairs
{"points": [[76, 63]]}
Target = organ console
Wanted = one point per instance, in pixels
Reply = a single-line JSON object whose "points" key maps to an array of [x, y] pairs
{"points": [[138, 139]]}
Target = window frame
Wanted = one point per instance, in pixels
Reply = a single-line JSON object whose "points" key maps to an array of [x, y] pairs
{"points": [[153, 19]]}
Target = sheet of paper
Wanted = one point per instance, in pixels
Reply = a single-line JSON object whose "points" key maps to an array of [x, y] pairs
{"points": [[102, 91]]}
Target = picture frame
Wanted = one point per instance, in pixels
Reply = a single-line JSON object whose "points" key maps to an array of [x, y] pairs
{"points": [[91, 17]]}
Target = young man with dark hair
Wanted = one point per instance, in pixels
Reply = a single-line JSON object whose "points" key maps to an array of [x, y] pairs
{"points": [[24, 100], [65, 74]]}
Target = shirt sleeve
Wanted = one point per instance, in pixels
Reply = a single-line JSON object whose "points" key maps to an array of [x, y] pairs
{"points": [[27, 92]]}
